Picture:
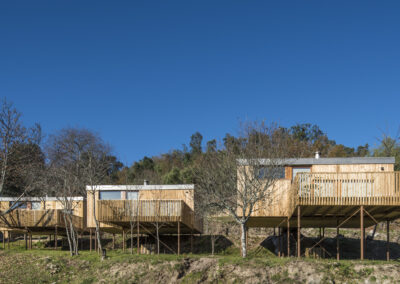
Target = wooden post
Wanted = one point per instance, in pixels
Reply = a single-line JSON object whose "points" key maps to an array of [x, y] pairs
{"points": [[90, 239], [55, 239], [362, 233], [298, 232], [138, 239], [387, 241], [26, 241], [288, 237], [191, 241], [8, 239], [323, 232], [113, 244], [337, 240], [279, 242], [4, 239], [123, 240], [30, 241], [179, 238]]}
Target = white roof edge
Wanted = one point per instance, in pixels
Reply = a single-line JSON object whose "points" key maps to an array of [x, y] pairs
{"points": [[142, 187], [75, 198], [320, 161]]}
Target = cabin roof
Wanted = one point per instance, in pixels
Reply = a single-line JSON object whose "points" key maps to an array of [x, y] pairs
{"points": [[320, 161], [142, 187], [76, 198]]}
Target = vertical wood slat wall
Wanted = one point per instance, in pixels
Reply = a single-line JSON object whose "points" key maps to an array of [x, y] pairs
{"points": [[373, 188], [21, 218], [146, 211]]}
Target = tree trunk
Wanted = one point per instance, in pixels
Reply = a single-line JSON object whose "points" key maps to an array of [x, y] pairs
{"points": [[212, 244], [68, 235], [243, 239], [97, 226]]}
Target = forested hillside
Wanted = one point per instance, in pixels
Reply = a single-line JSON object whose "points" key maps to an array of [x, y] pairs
{"points": [[25, 153]]}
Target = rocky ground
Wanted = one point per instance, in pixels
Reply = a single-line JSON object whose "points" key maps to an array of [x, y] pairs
{"points": [[58, 267], [44, 265]]}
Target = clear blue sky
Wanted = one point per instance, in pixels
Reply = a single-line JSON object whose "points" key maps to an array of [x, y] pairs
{"points": [[148, 74]]}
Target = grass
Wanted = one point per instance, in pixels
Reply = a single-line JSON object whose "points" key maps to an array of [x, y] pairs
{"points": [[48, 265]]}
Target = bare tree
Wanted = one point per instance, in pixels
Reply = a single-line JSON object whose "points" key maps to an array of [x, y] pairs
{"points": [[18, 145], [79, 159], [239, 179]]}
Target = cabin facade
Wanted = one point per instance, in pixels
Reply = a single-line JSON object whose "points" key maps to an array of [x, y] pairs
{"points": [[40, 216], [329, 193], [117, 207]]}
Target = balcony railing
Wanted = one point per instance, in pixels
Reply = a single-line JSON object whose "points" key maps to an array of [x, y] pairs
{"points": [[374, 188], [122, 211], [22, 218]]}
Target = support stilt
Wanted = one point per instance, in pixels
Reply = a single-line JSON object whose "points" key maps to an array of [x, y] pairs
{"points": [[288, 237], [362, 233], [90, 239], [337, 241], [123, 240], [298, 232], [55, 239], [191, 241], [8, 239], [26, 241], [113, 242], [387, 241], [279, 242], [4, 239], [138, 239], [179, 238]]}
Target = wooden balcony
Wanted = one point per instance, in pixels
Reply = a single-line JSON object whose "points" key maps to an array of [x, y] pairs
{"points": [[38, 219], [122, 212], [375, 188]]}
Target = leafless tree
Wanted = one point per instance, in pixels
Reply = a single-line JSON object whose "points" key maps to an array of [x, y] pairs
{"points": [[18, 145], [79, 159], [239, 179]]}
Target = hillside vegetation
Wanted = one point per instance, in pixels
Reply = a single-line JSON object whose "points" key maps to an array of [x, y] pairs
{"points": [[45, 266]]}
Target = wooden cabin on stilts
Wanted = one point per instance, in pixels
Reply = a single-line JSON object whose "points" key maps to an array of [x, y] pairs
{"points": [[335, 193], [141, 210]]}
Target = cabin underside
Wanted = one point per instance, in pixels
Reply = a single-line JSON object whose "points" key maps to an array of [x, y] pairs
{"points": [[325, 216], [166, 228]]}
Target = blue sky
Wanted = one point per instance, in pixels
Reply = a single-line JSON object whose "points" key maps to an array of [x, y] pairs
{"points": [[148, 74]]}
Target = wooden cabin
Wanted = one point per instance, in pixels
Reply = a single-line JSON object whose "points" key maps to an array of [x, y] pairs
{"points": [[118, 207], [41, 215], [329, 193]]}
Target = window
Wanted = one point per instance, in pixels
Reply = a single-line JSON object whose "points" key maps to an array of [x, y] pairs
{"points": [[270, 173], [35, 205], [132, 195], [110, 195], [18, 205], [300, 170]]}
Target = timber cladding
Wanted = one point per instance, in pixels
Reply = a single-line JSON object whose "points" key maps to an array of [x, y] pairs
{"points": [[37, 213], [164, 203], [328, 185]]}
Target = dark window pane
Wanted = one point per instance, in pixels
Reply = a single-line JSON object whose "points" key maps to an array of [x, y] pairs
{"points": [[110, 195], [270, 173]]}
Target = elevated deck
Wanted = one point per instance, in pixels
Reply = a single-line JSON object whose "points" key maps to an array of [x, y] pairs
{"points": [[328, 199], [147, 212], [38, 220]]}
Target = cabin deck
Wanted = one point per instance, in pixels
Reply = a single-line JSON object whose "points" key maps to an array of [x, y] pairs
{"points": [[38, 221], [326, 199], [168, 213]]}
